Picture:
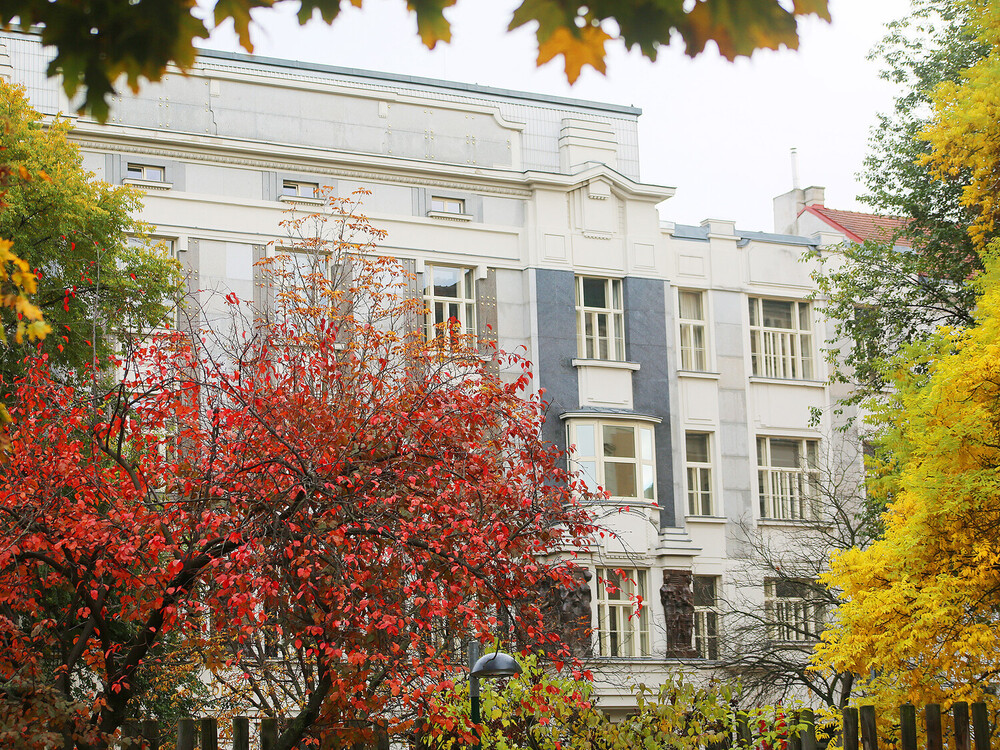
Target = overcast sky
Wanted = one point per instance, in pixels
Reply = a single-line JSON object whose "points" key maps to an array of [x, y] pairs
{"points": [[718, 132]]}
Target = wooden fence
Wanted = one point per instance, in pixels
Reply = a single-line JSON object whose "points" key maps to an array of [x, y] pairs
{"points": [[970, 731], [859, 725]]}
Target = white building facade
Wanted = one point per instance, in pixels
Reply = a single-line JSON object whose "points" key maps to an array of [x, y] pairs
{"points": [[682, 362]]}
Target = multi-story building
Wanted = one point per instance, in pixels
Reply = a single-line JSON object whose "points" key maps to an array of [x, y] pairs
{"points": [[682, 362]]}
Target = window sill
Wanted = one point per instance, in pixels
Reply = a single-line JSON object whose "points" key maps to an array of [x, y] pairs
{"points": [[613, 364], [305, 200], [621, 503], [650, 660], [802, 522], [788, 381], [448, 216], [626, 416], [701, 374], [711, 520], [630, 659], [147, 184]]}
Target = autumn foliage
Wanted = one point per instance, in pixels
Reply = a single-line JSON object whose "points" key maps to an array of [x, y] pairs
{"points": [[962, 134], [99, 45], [919, 612], [312, 506]]}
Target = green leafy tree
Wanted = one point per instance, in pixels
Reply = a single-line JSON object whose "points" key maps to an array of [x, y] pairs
{"points": [[73, 232], [883, 294], [99, 40], [543, 709]]}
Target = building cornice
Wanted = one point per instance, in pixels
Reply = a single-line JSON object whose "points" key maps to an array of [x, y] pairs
{"points": [[350, 165]]}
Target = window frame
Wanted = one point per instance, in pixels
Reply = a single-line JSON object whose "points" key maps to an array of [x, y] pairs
{"points": [[687, 328], [780, 353], [298, 185], [144, 171], [589, 345], [707, 620], [447, 205], [466, 305], [626, 635], [797, 497], [592, 465], [701, 469], [804, 611]]}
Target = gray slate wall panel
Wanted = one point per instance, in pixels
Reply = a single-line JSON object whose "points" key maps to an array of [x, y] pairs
{"points": [[557, 349], [646, 344]]}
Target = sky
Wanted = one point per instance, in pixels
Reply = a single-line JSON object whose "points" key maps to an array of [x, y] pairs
{"points": [[719, 132]]}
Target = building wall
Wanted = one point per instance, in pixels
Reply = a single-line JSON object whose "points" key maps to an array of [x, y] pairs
{"points": [[549, 193]]}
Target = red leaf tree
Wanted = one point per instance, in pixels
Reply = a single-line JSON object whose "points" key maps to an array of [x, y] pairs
{"points": [[313, 507]]}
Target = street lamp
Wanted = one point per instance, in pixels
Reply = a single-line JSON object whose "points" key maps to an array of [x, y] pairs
{"points": [[491, 666]]}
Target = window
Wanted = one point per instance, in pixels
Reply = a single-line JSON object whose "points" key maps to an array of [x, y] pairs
{"points": [[698, 460], [600, 328], [781, 339], [706, 616], [450, 299], [621, 629], [448, 205], [146, 172], [691, 312], [793, 614], [786, 477], [299, 189], [165, 245], [617, 456]]}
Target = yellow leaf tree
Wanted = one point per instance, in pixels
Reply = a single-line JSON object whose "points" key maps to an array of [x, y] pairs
{"points": [[964, 134], [919, 613]]}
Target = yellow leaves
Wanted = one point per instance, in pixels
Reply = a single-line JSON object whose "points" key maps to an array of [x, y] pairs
{"points": [[918, 606], [17, 276], [583, 48], [964, 135]]}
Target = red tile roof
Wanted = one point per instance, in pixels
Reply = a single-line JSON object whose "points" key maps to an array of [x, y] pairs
{"points": [[860, 226]]}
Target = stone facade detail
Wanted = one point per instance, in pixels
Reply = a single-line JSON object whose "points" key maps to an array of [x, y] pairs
{"points": [[678, 611]]}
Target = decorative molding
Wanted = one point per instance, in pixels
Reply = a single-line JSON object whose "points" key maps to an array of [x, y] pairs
{"points": [[794, 382], [677, 598], [148, 184], [603, 414], [343, 85], [595, 235], [448, 216], [331, 169], [611, 364], [304, 199]]}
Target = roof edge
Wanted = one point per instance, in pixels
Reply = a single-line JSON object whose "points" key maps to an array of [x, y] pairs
{"points": [[471, 88], [832, 222]]}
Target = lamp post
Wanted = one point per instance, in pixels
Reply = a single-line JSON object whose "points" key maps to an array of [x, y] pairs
{"points": [[491, 666]]}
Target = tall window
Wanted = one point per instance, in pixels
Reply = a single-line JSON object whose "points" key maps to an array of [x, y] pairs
{"points": [[450, 299], [698, 461], [622, 619], [706, 616], [694, 352], [786, 477], [617, 456], [792, 610], [600, 327], [781, 339]]}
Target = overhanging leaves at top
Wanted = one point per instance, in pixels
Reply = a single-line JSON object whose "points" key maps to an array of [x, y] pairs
{"points": [[98, 41]]}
